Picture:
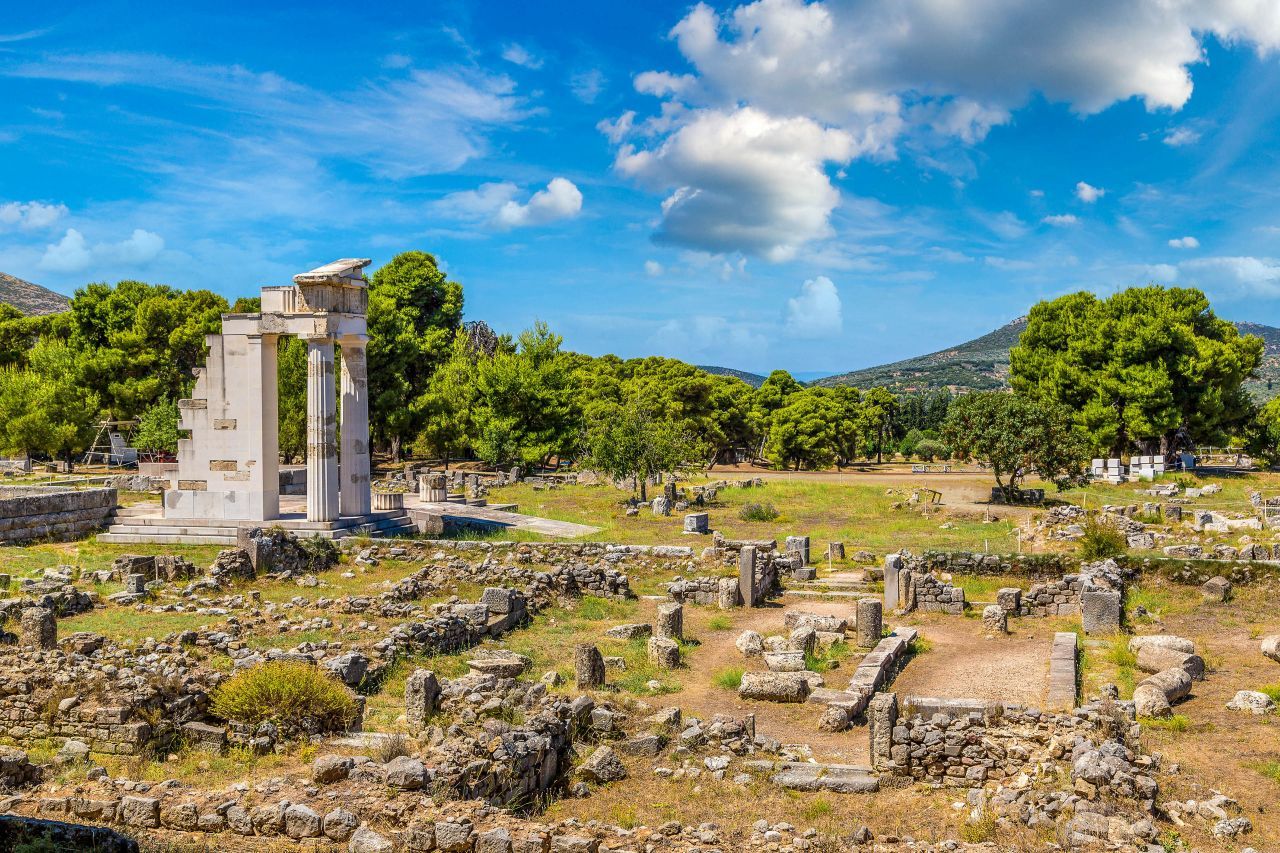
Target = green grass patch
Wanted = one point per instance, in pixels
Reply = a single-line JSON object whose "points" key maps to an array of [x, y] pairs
{"points": [[1177, 724], [719, 622], [1269, 769], [728, 679], [285, 692], [1272, 690], [822, 658]]}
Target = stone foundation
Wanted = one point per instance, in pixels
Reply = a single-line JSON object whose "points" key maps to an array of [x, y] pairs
{"points": [[29, 513]]}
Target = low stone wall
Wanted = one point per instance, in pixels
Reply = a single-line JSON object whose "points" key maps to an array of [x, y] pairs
{"points": [[1192, 571], [16, 830], [726, 592], [965, 742], [927, 592], [526, 552], [460, 626], [540, 587], [29, 513]]}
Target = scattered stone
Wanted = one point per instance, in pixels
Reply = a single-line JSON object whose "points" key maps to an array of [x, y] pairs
{"points": [[752, 645], [603, 766], [1216, 590], [774, 686], [1253, 702], [995, 619]]}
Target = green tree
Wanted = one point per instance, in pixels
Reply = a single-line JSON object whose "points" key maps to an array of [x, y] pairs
{"points": [[158, 428], [880, 407], [630, 444], [802, 433], [1139, 368], [1262, 436], [44, 408], [414, 311], [930, 449], [526, 412], [1017, 436], [291, 386], [448, 407]]}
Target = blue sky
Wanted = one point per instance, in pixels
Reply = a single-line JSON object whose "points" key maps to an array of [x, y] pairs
{"points": [[817, 187]]}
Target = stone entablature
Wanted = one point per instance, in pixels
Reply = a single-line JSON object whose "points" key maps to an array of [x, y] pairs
{"points": [[229, 467]]}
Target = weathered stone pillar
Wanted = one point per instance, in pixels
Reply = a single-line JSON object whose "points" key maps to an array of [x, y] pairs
{"points": [[670, 622], [421, 698], [264, 423], [322, 423], [588, 666], [870, 622], [882, 716], [38, 628], [892, 567], [747, 575], [354, 494], [664, 653]]}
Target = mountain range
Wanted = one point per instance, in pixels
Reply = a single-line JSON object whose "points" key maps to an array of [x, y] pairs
{"points": [[30, 298], [983, 364]]}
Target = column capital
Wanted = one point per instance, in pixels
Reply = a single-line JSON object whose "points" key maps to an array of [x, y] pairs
{"points": [[353, 341], [318, 339]]}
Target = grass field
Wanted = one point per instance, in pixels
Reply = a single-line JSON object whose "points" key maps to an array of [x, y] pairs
{"points": [[858, 514]]}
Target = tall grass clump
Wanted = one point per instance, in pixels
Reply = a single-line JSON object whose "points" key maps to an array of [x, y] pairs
{"points": [[758, 512], [291, 694], [1101, 541]]}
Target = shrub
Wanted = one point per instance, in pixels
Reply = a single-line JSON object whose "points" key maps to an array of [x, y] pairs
{"points": [[1101, 541], [391, 747], [929, 449], [758, 512], [289, 693]]}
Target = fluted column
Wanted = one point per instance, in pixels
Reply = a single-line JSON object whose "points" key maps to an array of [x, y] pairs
{"points": [[322, 423], [354, 463]]}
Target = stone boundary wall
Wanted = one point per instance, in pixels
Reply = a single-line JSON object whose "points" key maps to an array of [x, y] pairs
{"points": [[920, 589], [963, 743], [540, 587], [538, 552], [462, 625], [1046, 566], [725, 592], [28, 513]]}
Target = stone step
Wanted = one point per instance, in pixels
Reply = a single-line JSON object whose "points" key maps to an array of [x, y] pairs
{"points": [[813, 593], [836, 778], [164, 539]]}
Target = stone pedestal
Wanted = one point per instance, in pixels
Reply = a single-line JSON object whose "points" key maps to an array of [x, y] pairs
{"points": [[588, 666], [38, 628], [322, 423], [354, 496], [870, 622], [892, 568], [995, 619], [135, 584], [664, 653], [798, 545], [747, 575], [670, 622], [696, 522], [421, 698]]}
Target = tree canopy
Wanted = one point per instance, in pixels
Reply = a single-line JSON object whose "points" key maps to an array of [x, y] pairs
{"points": [[1138, 368]]}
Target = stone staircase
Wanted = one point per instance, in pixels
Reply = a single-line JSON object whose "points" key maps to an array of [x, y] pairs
{"points": [[130, 526]]}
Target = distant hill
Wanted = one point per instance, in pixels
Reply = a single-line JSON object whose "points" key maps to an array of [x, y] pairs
{"points": [[977, 365], [983, 364], [755, 380], [30, 298]]}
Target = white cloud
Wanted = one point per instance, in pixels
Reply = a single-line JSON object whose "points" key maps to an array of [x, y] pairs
{"points": [[1180, 136], [618, 129], [518, 54], [495, 204], [70, 254], [696, 337], [1234, 277], [816, 311], [73, 254], [30, 215], [423, 122], [742, 181], [1061, 220], [929, 72], [1187, 242], [588, 85], [396, 61], [653, 269], [1036, 193], [1088, 193]]}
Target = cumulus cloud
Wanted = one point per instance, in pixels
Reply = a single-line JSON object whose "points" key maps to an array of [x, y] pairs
{"points": [[880, 73], [1061, 220], [816, 311], [742, 180], [518, 54], [1187, 242], [1088, 193], [653, 269], [496, 204], [74, 254], [30, 215]]}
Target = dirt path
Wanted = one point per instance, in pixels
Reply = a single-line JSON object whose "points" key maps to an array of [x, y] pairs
{"points": [[962, 662]]}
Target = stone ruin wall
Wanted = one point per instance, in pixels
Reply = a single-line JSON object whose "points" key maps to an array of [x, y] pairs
{"points": [[30, 513], [966, 742], [1052, 566]]}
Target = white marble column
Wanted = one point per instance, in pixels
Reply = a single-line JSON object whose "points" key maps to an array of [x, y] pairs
{"points": [[322, 423], [354, 462]]}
